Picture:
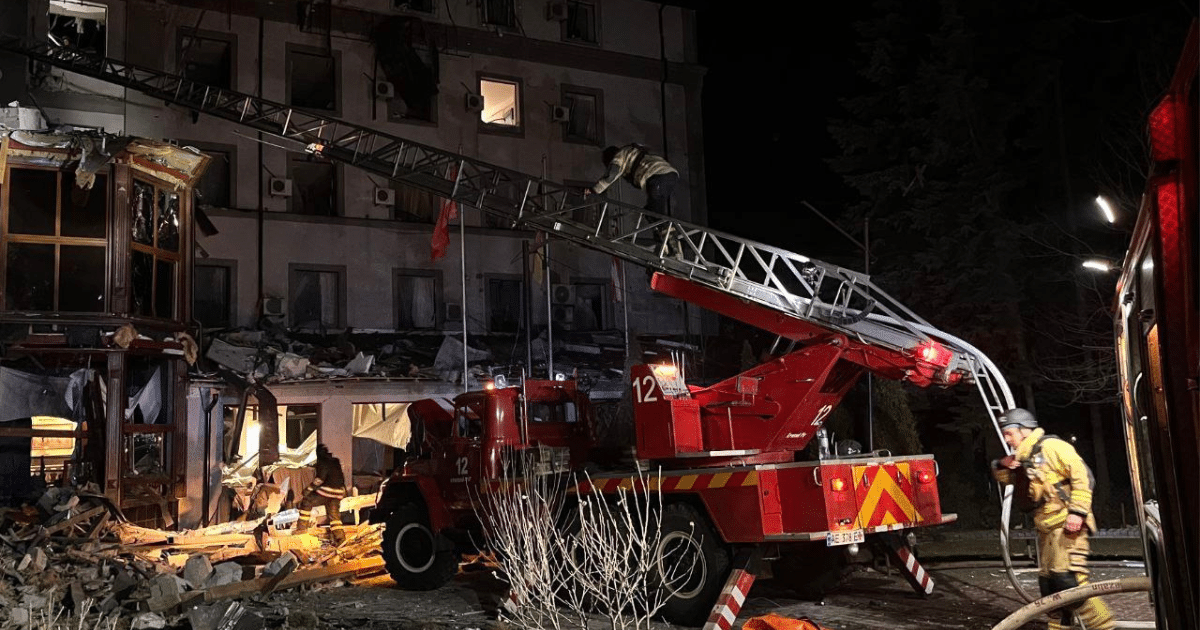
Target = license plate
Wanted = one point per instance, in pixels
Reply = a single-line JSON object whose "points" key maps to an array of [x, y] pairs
{"points": [[833, 539]]}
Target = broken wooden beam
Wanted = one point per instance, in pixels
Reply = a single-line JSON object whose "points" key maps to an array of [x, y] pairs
{"points": [[298, 578]]}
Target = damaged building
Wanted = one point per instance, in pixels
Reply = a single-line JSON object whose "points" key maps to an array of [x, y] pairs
{"points": [[97, 236], [308, 287]]}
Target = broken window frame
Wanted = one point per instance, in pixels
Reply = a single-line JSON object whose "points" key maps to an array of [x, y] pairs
{"points": [[518, 128], [56, 240], [573, 6], [501, 14], [158, 255], [396, 113], [283, 417], [230, 297], [490, 302], [437, 297], [570, 92], [296, 204], [183, 52], [100, 24], [605, 319], [293, 56], [224, 158], [294, 286]]}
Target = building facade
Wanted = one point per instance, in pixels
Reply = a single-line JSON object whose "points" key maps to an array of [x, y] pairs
{"points": [[539, 87]]}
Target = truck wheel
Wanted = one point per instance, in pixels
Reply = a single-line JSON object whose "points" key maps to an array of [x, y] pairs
{"points": [[417, 558], [691, 563]]}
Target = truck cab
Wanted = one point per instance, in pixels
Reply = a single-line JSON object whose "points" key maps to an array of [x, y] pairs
{"points": [[487, 437]]}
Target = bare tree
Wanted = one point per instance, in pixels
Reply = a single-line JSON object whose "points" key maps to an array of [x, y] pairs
{"points": [[570, 555]]}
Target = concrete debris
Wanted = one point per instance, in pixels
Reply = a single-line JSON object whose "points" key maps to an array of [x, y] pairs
{"points": [[197, 570], [148, 621], [86, 559]]}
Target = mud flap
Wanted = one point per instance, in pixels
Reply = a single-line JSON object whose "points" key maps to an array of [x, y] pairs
{"points": [[737, 587], [904, 559]]}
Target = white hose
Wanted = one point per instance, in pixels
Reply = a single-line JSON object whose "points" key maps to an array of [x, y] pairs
{"points": [[1070, 596]]}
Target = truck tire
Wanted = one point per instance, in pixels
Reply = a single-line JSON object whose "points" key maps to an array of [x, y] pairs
{"points": [[687, 540], [416, 557]]}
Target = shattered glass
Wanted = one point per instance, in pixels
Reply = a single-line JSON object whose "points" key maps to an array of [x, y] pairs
{"points": [[168, 221], [143, 213], [145, 453]]}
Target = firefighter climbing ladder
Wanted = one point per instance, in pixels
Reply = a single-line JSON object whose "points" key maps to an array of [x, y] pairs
{"points": [[826, 295]]}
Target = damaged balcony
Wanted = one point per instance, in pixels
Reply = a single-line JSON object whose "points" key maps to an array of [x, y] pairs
{"points": [[97, 239]]}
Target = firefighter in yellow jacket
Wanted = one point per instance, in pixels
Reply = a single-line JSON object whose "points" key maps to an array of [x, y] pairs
{"points": [[1056, 486], [328, 488]]}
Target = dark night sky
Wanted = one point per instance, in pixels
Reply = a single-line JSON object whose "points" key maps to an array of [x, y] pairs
{"points": [[775, 75]]}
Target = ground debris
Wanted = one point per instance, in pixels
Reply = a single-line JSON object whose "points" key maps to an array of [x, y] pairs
{"points": [[72, 555]]}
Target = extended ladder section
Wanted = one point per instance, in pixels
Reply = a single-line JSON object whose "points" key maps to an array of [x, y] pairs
{"points": [[824, 295]]}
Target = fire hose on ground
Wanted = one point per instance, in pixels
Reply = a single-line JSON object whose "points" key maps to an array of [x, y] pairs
{"points": [[1070, 596]]}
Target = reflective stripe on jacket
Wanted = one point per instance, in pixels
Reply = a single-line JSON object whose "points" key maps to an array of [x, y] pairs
{"points": [[623, 161]]}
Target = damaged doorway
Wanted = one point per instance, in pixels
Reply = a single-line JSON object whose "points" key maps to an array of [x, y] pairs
{"points": [[297, 432]]}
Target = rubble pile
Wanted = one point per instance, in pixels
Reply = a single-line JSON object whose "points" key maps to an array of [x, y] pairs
{"points": [[72, 557], [275, 355]]}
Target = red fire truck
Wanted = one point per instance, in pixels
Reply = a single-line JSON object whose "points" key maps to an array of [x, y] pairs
{"points": [[726, 459], [1158, 352]]}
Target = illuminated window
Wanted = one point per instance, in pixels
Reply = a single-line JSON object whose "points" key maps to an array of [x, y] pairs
{"points": [[501, 103]]}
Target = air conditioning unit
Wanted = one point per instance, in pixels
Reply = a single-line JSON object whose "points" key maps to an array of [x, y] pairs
{"points": [[273, 307], [474, 102], [564, 316], [559, 114], [562, 294], [384, 90], [280, 187], [385, 197], [556, 11]]}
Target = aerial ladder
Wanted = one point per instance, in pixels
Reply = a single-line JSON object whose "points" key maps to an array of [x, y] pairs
{"points": [[796, 297]]}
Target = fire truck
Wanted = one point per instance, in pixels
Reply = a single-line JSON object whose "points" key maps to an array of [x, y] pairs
{"points": [[1158, 351], [727, 457]]}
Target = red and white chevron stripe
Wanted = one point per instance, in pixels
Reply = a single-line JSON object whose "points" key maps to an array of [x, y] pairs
{"points": [[919, 578], [729, 604]]}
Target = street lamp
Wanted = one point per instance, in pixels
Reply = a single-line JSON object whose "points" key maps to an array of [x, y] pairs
{"points": [[1099, 264], [1107, 209]]}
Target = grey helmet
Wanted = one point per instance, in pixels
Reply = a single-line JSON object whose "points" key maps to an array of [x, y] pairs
{"points": [[1017, 417]]}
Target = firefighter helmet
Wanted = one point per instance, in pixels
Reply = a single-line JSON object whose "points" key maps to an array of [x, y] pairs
{"points": [[1018, 417]]}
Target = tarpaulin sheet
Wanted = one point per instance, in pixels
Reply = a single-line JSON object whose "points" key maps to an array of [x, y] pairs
{"points": [[24, 395], [393, 429]]}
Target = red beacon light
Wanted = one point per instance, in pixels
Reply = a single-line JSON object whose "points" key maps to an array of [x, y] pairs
{"points": [[934, 353]]}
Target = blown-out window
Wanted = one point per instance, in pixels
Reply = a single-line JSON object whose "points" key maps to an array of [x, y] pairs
{"points": [[155, 255], [55, 242]]}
